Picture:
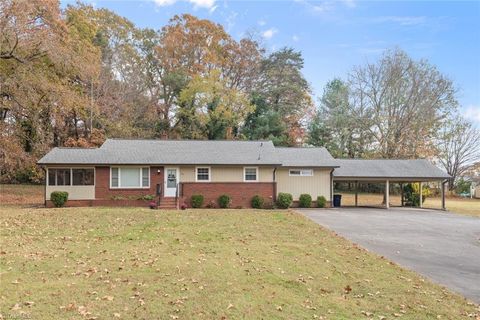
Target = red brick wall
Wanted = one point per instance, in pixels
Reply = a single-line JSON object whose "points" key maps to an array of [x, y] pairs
{"points": [[103, 190], [103, 203], [241, 193]]}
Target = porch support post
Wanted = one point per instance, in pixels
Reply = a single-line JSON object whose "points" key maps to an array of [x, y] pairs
{"points": [[421, 194], [356, 193], [387, 194], [443, 195], [401, 194]]}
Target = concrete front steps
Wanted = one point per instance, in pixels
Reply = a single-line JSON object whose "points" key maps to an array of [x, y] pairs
{"points": [[167, 203]]}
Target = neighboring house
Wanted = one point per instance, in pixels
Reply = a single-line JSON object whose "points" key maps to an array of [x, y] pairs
{"points": [[128, 172]]}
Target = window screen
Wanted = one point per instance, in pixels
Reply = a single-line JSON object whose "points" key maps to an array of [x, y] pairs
{"points": [[83, 177], [250, 174], [203, 174]]}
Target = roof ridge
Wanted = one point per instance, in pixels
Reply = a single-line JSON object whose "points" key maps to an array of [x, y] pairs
{"points": [[403, 159], [189, 140]]}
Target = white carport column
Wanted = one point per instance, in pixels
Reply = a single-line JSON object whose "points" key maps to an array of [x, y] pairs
{"points": [[387, 194], [443, 195], [421, 194]]}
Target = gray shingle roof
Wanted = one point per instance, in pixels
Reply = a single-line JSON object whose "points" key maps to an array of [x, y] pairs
{"points": [[120, 151], [306, 157], [356, 168], [203, 152]]}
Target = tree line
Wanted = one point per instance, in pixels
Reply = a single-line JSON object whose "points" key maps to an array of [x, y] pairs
{"points": [[75, 76]]}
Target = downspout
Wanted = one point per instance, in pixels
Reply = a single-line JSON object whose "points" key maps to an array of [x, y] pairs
{"points": [[274, 198], [331, 187]]}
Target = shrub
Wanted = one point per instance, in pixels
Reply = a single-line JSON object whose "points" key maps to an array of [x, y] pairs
{"points": [[147, 197], [197, 201], [59, 198], [211, 205], [463, 186], [257, 202], [284, 200], [321, 202], [411, 193], [305, 201], [224, 201]]}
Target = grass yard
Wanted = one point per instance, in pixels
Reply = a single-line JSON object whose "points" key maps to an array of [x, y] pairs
{"points": [[21, 195], [455, 204], [130, 263]]}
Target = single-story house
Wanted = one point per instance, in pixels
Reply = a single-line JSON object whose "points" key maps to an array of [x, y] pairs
{"points": [[131, 172]]}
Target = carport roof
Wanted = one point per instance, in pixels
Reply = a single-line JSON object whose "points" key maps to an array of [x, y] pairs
{"points": [[388, 169]]}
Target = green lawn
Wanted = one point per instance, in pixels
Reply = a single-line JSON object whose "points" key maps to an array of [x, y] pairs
{"points": [[130, 263], [459, 205]]}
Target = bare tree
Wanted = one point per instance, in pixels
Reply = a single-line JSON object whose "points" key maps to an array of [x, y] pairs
{"points": [[458, 147], [401, 103]]}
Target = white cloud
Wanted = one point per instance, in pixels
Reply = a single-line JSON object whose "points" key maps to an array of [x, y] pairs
{"points": [[163, 3], [295, 38], [349, 3], [261, 22], [207, 4], [472, 113], [403, 20], [268, 34]]}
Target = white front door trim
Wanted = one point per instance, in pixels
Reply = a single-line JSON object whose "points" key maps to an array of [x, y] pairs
{"points": [[170, 187]]}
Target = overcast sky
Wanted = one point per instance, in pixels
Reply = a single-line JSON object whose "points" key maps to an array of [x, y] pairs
{"points": [[334, 36]]}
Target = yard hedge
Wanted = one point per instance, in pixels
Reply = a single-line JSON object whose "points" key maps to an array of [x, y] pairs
{"points": [[224, 201], [284, 200], [321, 202], [305, 201], [59, 198], [257, 202], [197, 201]]}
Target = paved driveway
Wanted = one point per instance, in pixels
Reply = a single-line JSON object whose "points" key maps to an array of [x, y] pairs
{"points": [[442, 246]]}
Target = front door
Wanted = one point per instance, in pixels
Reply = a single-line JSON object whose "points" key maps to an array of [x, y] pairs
{"points": [[171, 181]]}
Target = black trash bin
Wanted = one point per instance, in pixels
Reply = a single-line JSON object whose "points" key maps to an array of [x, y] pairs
{"points": [[337, 200]]}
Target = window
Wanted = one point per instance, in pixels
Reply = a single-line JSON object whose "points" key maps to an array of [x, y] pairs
{"points": [[203, 174], [250, 174], [58, 177], [301, 172], [130, 177], [114, 182], [71, 177], [83, 177]]}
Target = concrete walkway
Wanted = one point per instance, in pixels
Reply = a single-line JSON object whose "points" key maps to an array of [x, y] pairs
{"points": [[442, 246]]}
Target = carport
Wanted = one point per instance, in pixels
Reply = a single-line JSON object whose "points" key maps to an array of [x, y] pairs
{"points": [[389, 171]]}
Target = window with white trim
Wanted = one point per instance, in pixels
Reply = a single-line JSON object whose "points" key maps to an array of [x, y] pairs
{"points": [[203, 174], [250, 174], [130, 177], [301, 172]]}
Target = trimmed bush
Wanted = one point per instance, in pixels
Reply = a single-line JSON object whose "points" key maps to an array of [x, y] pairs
{"points": [[284, 200], [224, 201], [59, 198], [321, 202], [197, 201], [257, 202], [305, 201]]}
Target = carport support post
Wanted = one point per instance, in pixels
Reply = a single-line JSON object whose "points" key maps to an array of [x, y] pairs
{"points": [[356, 193], [421, 194], [443, 195], [387, 194], [401, 194]]}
